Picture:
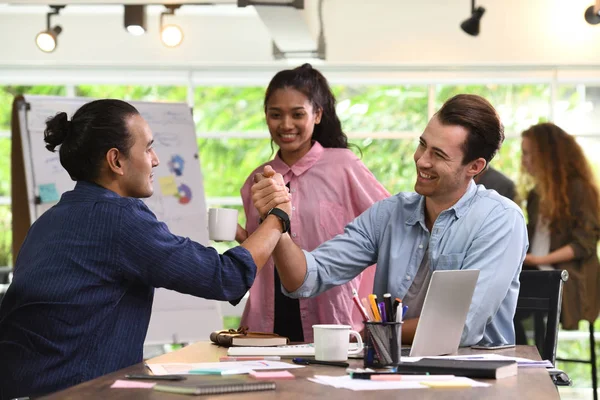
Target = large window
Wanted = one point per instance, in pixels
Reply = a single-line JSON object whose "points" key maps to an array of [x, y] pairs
{"points": [[383, 123]]}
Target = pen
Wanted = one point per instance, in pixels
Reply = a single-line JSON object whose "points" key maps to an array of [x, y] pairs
{"points": [[381, 308], [404, 310], [368, 375], [363, 312], [307, 361], [251, 358], [365, 304], [156, 377]]}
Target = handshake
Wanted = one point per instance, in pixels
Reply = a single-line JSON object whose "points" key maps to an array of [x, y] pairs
{"points": [[269, 191]]}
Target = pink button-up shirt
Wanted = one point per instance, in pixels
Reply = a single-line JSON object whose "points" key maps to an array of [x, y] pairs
{"points": [[330, 187]]}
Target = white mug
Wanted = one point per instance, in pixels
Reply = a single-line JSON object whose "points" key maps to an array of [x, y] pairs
{"points": [[222, 223], [332, 341]]}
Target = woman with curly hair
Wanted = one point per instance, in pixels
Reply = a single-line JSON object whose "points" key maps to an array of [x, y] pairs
{"points": [[564, 217]]}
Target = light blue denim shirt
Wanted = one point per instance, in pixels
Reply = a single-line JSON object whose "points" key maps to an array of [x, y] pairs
{"points": [[483, 231]]}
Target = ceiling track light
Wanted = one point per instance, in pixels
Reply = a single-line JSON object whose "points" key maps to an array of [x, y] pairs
{"points": [[299, 4], [170, 35], [46, 40], [471, 24], [592, 14], [135, 19]]}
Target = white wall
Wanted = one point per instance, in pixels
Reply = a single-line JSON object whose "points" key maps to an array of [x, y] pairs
{"points": [[426, 32]]}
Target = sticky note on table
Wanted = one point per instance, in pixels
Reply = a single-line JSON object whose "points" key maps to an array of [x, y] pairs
{"points": [[48, 193], [272, 375], [447, 384], [168, 186], [121, 384]]}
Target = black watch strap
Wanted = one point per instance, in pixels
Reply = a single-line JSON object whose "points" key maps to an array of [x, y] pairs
{"points": [[283, 217]]}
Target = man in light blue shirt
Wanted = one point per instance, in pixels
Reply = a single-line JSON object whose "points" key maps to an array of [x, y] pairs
{"points": [[449, 223]]}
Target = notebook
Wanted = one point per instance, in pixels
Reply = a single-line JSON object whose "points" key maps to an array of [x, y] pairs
{"points": [[216, 386], [486, 369], [298, 350]]}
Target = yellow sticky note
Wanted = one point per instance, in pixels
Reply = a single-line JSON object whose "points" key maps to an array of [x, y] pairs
{"points": [[446, 384], [168, 186]]}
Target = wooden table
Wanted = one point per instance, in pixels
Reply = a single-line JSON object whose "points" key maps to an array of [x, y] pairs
{"points": [[530, 383]]}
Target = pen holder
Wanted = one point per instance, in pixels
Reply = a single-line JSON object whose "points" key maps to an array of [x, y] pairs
{"points": [[383, 344]]}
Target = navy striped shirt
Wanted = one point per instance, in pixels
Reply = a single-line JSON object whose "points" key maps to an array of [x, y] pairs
{"points": [[81, 298]]}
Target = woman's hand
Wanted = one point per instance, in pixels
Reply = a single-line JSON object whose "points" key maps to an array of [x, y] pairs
{"points": [[531, 260], [241, 234]]}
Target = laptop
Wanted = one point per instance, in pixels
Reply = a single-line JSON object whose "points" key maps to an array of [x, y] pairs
{"points": [[444, 313]]}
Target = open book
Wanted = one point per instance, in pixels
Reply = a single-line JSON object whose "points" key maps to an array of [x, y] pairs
{"points": [[243, 337]]}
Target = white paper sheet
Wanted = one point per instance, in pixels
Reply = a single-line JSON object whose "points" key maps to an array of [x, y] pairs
{"points": [[229, 368], [346, 382]]}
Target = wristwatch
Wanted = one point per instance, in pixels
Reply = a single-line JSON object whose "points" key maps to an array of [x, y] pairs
{"points": [[283, 217]]}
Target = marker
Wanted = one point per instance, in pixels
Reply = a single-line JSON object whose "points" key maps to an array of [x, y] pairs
{"points": [[389, 311], [373, 303], [397, 302], [404, 377], [250, 358]]}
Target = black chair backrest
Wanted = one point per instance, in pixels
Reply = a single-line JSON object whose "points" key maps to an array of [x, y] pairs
{"points": [[540, 296]]}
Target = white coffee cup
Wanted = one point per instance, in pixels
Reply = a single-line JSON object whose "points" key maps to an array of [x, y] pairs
{"points": [[332, 342], [222, 223]]}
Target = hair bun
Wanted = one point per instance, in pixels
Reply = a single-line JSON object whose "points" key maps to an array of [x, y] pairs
{"points": [[306, 66], [57, 130]]}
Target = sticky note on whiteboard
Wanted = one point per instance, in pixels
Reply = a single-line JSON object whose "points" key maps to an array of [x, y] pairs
{"points": [[48, 193], [168, 186]]}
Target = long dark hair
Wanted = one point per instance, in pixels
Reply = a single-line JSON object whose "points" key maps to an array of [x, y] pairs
{"points": [[95, 128], [314, 86]]}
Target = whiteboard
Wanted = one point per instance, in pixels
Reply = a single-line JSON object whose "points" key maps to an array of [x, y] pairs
{"points": [[178, 198]]}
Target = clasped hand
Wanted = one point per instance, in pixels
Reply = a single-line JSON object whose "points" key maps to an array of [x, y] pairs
{"points": [[269, 191]]}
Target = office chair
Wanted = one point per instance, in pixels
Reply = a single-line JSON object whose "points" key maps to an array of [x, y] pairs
{"points": [[540, 297]]}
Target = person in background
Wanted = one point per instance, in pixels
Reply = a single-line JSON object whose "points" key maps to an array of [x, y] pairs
{"points": [[450, 223], [329, 185], [493, 179], [80, 301], [564, 217]]}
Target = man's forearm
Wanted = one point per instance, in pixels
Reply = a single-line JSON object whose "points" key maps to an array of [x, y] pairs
{"points": [[290, 262], [262, 242]]}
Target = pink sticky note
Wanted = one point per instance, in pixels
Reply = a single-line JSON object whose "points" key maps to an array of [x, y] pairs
{"points": [[272, 375], [121, 384]]}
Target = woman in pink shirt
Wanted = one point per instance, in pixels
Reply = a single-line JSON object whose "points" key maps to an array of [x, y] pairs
{"points": [[330, 187]]}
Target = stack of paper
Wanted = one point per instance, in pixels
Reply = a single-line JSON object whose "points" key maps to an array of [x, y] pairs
{"points": [[219, 368], [411, 382]]}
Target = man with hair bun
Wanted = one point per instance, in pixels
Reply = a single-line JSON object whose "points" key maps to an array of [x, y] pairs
{"points": [[81, 298]]}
